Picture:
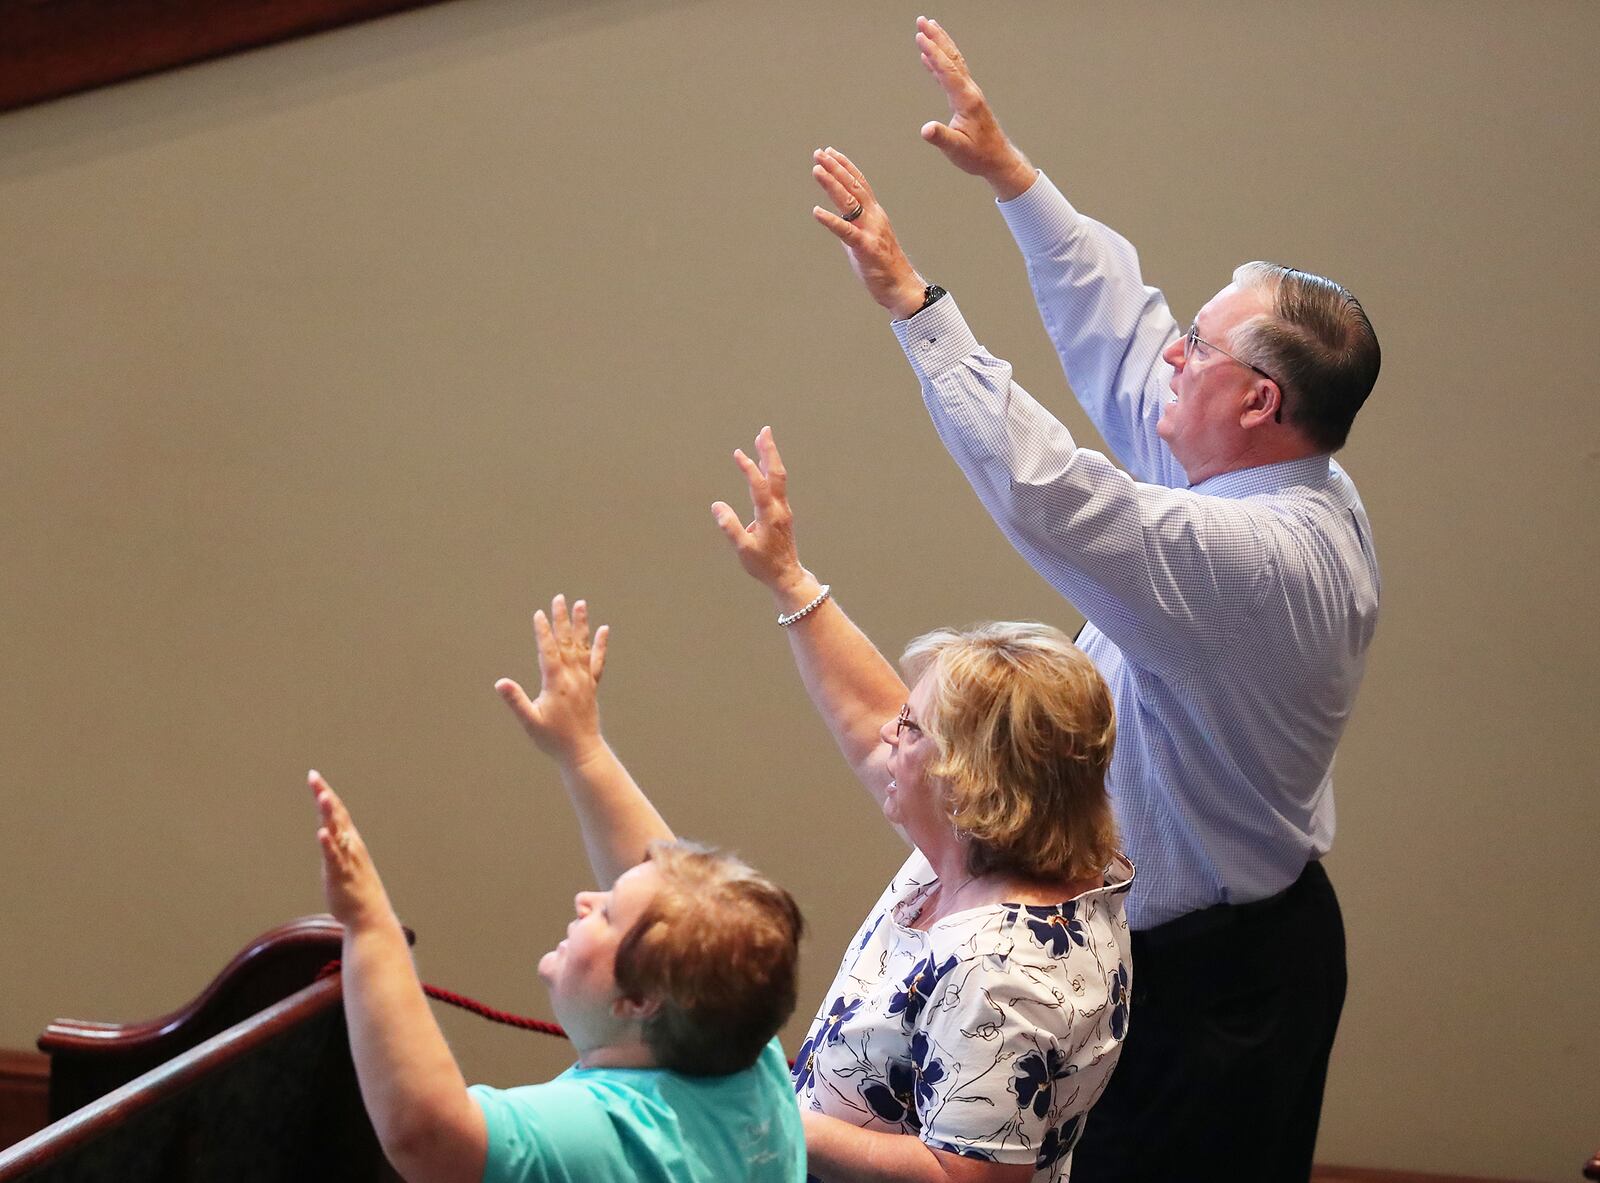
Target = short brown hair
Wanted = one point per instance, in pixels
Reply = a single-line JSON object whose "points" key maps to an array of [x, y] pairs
{"points": [[1318, 345], [719, 949], [1025, 726]]}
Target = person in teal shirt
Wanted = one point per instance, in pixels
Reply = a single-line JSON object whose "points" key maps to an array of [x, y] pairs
{"points": [[646, 1123], [672, 983]]}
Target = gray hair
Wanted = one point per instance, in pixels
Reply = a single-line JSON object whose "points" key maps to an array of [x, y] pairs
{"points": [[1318, 346]]}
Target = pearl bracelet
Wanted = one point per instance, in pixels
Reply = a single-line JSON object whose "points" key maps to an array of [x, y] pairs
{"points": [[822, 598]]}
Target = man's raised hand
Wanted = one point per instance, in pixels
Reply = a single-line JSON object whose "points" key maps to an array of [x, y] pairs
{"points": [[972, 140], [865, 232]]}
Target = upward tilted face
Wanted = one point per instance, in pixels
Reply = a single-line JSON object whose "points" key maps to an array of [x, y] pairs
{"points": [[915, 799], [1211, 391], [580, 972]]}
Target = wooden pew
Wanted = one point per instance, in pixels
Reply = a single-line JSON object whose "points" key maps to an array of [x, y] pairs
{"points": [[250, 1081]]}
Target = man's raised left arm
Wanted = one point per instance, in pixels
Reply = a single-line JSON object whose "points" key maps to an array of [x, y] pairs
{"points": [[1145, 562]]}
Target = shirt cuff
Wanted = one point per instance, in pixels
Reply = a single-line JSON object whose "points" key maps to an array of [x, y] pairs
{"points": [[1040, 219], [935, 338]]}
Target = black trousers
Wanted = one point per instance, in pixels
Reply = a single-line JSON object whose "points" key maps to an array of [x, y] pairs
{"points": [[1233, 1015]]}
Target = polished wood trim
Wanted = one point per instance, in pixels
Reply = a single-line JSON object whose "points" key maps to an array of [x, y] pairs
{"points": [[151, 1101], [1322, 1173], [295, 946], [89, 1059], [50, 48], [159, 1084]]}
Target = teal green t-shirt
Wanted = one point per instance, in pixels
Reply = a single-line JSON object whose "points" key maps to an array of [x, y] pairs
{"points": [[597, 1125]]}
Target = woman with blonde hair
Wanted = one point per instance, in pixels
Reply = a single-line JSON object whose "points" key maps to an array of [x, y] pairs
{"points": [[979, 1010]]}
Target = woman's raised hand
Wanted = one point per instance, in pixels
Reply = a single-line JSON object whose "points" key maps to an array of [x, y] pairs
{"points": [[564, 721], [350, 882], [765, 548]]}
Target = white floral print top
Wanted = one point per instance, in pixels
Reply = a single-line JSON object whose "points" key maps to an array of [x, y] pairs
{"points": [[990, 1035]]}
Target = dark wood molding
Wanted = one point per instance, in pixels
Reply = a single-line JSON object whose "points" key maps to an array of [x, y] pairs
{"points": [[252, 1079], [296, 949], [50, 48], [123, 1105], [1337, 1174], [91, 1058]]}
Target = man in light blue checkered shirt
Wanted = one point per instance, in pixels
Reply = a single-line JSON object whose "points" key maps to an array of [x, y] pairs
{"points": [[1231, 588]]}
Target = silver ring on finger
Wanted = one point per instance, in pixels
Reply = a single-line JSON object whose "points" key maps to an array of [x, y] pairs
{"points": [[855, 213]]}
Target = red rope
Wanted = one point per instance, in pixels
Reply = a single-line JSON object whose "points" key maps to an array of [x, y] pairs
{"points": [[483, 1010], [494, 1016]]}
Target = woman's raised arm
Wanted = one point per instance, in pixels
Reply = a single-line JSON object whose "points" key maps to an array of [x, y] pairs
{"points": [[425, 1120], [852, 685], [617, 820]]}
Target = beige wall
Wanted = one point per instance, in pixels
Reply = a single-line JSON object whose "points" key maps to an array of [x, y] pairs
{"points": [[320, 364]]}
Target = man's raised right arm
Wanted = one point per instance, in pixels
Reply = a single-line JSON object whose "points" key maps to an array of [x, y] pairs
{"points": [[1107, 327]]}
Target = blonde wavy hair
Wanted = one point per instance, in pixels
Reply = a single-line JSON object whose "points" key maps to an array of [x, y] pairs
{"points": [[1024, 726]]}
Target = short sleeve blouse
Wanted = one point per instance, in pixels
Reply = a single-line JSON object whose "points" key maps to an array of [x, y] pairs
{"points": [[989, 1035]]}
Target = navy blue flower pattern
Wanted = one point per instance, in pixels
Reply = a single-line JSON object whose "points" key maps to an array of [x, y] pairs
{"points": [[1058, 930], [1058, 1142], [867, 935], [1119, 1001], [838, 1014], [923, 979], [1036, 1076], [929, 1070], [804, 1070], [892, 1099], [989, 1035]]}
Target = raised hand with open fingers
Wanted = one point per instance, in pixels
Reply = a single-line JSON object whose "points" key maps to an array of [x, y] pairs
{"points": [[565, 719], [973, 140], [865, 232], [766, 547], [350, 883]]}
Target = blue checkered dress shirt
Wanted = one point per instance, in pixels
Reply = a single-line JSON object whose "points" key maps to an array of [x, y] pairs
{"points": [[1230, 619]]}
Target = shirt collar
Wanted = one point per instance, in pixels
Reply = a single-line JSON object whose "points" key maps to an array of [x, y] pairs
{"points": [[1268, 478]]}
